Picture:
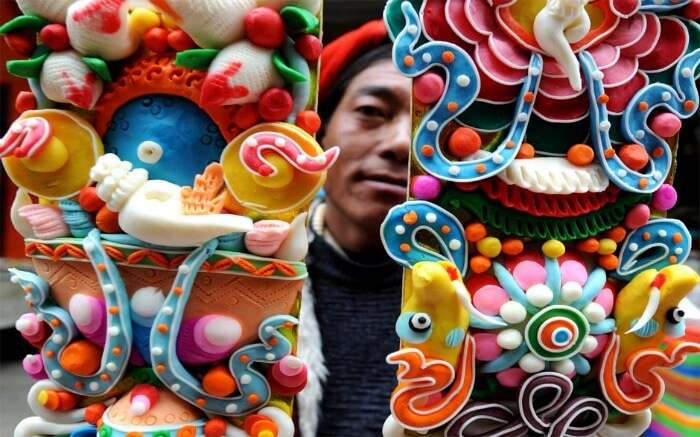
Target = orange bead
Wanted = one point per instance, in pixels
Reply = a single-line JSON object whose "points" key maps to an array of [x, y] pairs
{"points": [[479, 264], [617, 234], [81, 357], [309, 121], [410, 218], [463, 142], [475, 232], [580, 154], [408, 61], [634, 156], [107, 221], [677, 238], [88, 200], [603, 99], [427, 150], [608, 262], [448, 56], [512, 246], [215, 427], [94, 412], [526, 151], [590, 245]]}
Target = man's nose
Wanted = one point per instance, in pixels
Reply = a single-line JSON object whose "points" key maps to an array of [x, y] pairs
{"points": [[397, 139]]}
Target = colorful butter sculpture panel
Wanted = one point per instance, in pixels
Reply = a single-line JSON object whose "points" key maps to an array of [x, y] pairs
{"points": [[542, 275], [164, 159]]}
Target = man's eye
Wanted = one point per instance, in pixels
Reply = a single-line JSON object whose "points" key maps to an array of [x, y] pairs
{"points": [[371, 111]]}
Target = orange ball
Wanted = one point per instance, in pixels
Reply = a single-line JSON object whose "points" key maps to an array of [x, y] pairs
{"points": [[580, 154], [617, 234], [218, 381], [107, 221], [526, 151], [512, 246], [590, 245], [94, 412], [81, 357], [88, 200], [634, 156], [475, 232], [215, 427], [479, 264], [608, 262], [463, 142], [309, 121]]}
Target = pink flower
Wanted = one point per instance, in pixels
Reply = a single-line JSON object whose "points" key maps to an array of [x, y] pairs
{"points": [[627, 45]]}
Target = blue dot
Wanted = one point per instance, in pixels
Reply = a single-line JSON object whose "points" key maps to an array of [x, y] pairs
{"points": [[561, 337]]}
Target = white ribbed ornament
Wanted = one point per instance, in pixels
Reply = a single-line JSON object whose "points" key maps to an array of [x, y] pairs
{"points": [[211, 23], [52, 10], [241, 64], [107, 34], [66, 79]]}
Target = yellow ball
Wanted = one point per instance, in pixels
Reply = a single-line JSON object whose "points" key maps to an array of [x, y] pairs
{"points": [[51, 158], [284, 176], [142, 19], [266, 433], [553, 248], [489, 247], [607, 247]]}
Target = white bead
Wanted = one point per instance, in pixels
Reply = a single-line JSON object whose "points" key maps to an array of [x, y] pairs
{"points": [[231, 408], [633, 247], [571, 291], [598, 75], [497, 158], [605, 126], [94, 386], [412, 29], [184, 269], [427, 57], [431, 217], [463, 80], [167, 311], [534, 71], [512, 312], [400, 230], [246, 379], [113, 331], [108, 288], [432, 125], [663, 233], [589, 344], [157, 351], [640, 134], [565, 367], [622, 173], [678, 251], [594, 312], [666, 96], [686, 72], [454, 170], [455, 245], [175, 387], [539, 295], [531, 364], [55, 374], [57, 338], [147, 301], [509, 339], [270, 357], [280, 142], [522, 117]]}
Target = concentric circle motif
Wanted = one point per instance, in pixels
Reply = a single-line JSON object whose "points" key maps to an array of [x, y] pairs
{"points": [[556, 333]]}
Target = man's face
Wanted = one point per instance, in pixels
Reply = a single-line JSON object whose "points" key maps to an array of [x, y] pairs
{"points": [[372, 127]]}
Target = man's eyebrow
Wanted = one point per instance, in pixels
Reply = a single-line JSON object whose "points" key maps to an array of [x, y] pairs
{"points": [[381, 92]]}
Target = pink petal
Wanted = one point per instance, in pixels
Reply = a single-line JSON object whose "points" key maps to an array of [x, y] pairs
{"points": [[573, 271], [508, 52], [558, 88], [435, 22], [498, 71], [620, 73], [481, 16], [459, 23], [621, 95], [489, 299], [605, 55], [529, 273], [628, 31], [671, 46], [562, 110], [649, 38]]}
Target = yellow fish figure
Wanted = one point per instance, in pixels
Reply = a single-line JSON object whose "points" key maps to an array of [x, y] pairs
{"points": [[646, 312], [436, 361]]}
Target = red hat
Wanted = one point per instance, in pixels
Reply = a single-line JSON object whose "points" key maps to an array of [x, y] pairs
{"points": [[340, 53]]}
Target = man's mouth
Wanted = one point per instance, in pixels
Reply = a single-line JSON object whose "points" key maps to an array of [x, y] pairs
{"points": [[389, 179]]}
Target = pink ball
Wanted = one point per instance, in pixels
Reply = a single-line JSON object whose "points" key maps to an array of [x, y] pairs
{"points": [[664, 198], [666, 125], [528, 273], [606, 299], [487, 348], [511, 377], [573, 271], [489, 299], [428, 88], [602, 344], [637, 216], [425, 187]]}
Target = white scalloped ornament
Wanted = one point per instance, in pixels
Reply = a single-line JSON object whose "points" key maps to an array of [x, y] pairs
{"points": [[65, 78], [52, 10], [101, 28]]}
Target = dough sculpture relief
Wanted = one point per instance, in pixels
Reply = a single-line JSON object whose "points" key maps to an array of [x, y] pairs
{"points": [[164, 161], [543, 278]]}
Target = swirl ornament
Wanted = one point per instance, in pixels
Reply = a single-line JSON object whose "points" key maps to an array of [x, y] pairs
{"points": [[554, 419], [657, 244], [402, 224], [461, 91], [117, 347], [682, 100], [556, 333], [254, 388], [275, 167]]}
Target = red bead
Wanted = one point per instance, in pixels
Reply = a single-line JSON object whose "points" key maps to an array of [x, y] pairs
{"points": [[264, 27], [55, 36], [309, 46], [25, 101], [246, 116], [275, 104], [634, 156], [180, 41], [156, 40], [22, 42], [309, 121]]}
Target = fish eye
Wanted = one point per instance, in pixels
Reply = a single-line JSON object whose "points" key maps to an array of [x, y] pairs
{"points": [[420, 322], [675, 315], [149, 152], [414, 327]]}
